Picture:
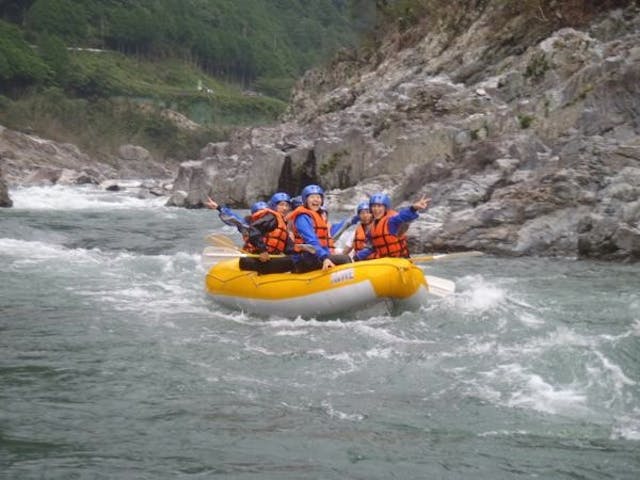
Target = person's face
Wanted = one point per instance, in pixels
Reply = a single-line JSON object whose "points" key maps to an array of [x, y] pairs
{"points": [[377, 210], [365, 216], [314, 202], [283, 207]]}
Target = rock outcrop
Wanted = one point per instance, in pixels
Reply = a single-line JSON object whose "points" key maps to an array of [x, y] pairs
{"points": [[31, 160], [528, 141]]}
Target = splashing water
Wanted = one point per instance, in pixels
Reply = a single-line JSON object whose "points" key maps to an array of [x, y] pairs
{"points": [[116, 364]]}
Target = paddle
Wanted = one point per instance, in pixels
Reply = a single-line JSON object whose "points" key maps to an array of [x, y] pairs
{"points": [[445, 256], [214, 254], [440, 287], [220, 240], [226, 253]]}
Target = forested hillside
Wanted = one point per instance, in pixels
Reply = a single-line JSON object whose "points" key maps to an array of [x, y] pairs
{"points": [[113, 65]]}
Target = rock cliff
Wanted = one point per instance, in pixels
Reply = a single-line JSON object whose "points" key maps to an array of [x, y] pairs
{"points": [[525, 136]]}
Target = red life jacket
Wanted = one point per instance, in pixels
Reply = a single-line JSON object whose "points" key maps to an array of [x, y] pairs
{"points": [[319, 226], [276, 239], [384, 243]]}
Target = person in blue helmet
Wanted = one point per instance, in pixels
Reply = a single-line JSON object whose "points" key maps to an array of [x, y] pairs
{"points": [[296, 202], [229, 217], [265, 234], [387, 231], [268, 232], [359, 241], [311, 228]]}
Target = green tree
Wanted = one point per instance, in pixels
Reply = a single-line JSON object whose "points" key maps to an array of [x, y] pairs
{"points": [[64, 18], [14, 10], [54, 53], [133, 30], [19, 64]]}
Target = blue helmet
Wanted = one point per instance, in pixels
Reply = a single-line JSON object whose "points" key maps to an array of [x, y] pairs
{"points": [[279, 197], [380, 199], [310, 190], [362, 206], [296, 202], [258, 206]]}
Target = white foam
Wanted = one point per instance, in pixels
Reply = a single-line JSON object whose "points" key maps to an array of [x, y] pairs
{"points": [[531, 320], [478, 294], [291, 333], [86, 197], [615, 372], [501, 433], [381, 334], [26, 251], [536, 393], [379, 353], [29, 249], [627, 427], [125, 281], [332, 412]]}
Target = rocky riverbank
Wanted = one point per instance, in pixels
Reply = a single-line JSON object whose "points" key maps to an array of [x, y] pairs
{"points": [[528, 144], [30, 160], [527, 140]]}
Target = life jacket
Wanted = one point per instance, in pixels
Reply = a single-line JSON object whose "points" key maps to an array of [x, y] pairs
{"points": [[384, 243], [319, 226], [276, 239], [289, 219], [359, 238]]}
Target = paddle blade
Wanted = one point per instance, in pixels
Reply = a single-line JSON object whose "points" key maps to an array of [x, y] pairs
{"points": [[445, 256], [440, 287], [220, 240], [212, 255]]}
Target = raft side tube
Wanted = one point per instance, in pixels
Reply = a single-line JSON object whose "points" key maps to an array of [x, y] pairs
{"points": [[344, 287]]}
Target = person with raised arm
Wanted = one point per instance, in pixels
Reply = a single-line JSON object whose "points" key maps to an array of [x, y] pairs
{"points": [[387, 231], [265, 234]]}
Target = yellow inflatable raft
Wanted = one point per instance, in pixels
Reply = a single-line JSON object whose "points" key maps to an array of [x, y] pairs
{"points": [[343, 288]]}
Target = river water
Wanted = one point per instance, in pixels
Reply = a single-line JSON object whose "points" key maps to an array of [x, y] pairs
{"points": [[115, 364]]}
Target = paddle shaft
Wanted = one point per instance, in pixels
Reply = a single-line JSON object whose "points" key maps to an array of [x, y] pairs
{"points": [[444, 256]]}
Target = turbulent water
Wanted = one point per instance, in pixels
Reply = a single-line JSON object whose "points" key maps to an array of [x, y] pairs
{"points": [[115, 364]]}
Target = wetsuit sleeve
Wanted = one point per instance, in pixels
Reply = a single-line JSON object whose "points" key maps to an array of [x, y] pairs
{"points": [[404, 215], [231, 218], [304, 225]]}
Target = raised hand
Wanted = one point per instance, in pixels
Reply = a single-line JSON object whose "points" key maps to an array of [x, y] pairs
{"points": [[211, 204], [422, 204]]}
